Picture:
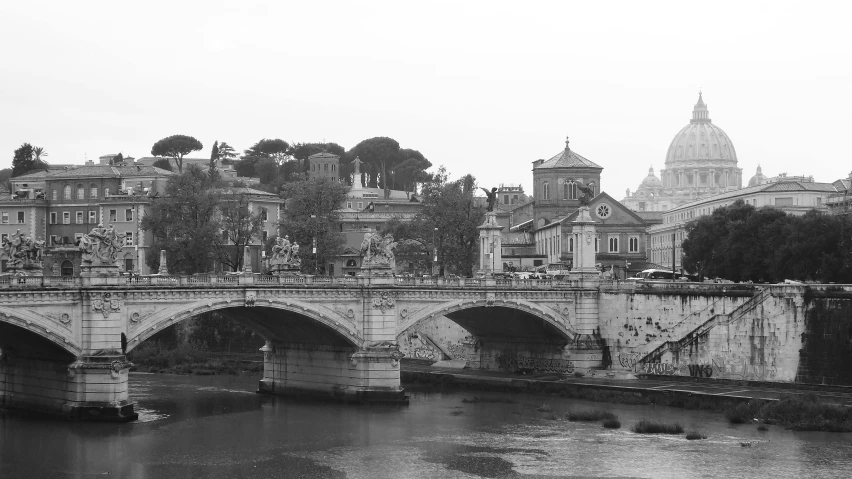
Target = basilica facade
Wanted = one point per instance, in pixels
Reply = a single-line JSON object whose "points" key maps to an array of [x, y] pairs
{"points": [[701, 161]]}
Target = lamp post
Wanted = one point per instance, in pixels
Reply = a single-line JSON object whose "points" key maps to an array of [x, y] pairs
{"points": [[316, 258], [435, 269]]}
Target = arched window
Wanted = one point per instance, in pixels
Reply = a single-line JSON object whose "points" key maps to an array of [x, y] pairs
{"points": [[570, 190], [67, 268], [67, 192], [81, 193], [545, 191], [350, 263], [93, 191]]}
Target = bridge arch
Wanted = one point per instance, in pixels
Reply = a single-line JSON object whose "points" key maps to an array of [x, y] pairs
{"points": [[552, 319], [342, 327], [56, 331]]}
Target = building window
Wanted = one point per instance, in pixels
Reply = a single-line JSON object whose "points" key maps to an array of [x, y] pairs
{"points": [[128, 214], [106, 192], [93, 192], [545, 190], [225, 236], [79, 217], [597, 244], [4, 217], [112, 216], [53, 218], [613, 245], [349, 204], [55, 195], [67, 192], [67, 268], [93, 217], [633, 245], [3, 238], [783, 201], [505, 199], [20, 217], [264, 235], [360, 205], [128, 238], [264, 216], [66, 217], [81, 193], [128, 264]]}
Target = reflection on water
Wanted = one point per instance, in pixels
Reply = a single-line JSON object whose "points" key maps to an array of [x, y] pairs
{"points": [[216, 427]]}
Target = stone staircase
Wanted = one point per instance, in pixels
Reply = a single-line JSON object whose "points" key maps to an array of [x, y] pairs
{"points": [[688, 332]]}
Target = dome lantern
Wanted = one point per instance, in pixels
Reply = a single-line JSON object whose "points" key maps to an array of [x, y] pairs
{"points": [[700, 114]]}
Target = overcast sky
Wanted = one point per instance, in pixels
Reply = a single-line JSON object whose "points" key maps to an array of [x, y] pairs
{"points": [[481, 87]]}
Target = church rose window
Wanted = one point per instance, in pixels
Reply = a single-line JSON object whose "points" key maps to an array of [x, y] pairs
{"points": [[603, 211]]}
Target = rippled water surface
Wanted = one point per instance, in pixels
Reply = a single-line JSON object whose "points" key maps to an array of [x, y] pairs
{"points": [[216, 427]]}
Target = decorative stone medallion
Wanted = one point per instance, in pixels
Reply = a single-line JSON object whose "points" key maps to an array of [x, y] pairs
{"points": [[251, 296], [105, 304], [384, 302]]}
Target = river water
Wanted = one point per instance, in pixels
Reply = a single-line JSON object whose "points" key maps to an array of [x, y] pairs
{"points": [[216, 427]]}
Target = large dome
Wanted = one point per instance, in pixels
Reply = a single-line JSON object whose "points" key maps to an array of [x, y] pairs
{"points": [[700, 140]]}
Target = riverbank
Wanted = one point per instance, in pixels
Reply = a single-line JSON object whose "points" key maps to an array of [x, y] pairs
{"points": [[193, 359], [799, 409]]}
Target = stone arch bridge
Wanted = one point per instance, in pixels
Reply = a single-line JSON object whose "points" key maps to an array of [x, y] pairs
{"points": [[62, 350]]}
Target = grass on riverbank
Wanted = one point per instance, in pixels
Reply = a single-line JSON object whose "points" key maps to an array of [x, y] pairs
{"points": [[613, 423], [191, 358], [590, 415], [695, 435], [652, 427], [800, 413], [477, 399]]}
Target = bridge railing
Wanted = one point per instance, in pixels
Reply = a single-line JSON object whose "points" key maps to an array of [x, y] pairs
{"points": [[239, 280]]}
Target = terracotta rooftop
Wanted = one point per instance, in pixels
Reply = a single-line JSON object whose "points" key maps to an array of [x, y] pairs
{"points": [[96, 171]]}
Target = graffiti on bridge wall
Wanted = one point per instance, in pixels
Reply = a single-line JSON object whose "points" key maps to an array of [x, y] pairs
{"points": [[715, 368], [549, 365]]}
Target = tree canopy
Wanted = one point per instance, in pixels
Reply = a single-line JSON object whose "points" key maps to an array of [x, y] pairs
{"points": [[27, 159], [311, 213], [239, 227], [226, 153], [743, 243], [184, 223], [176, 147], [448, 206], [163, 163]]}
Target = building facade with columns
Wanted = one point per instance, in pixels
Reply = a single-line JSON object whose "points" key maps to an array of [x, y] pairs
{"points": [[701, 162]]}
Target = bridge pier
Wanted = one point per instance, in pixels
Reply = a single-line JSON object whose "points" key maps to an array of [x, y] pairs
{"points": [[341, 369]]}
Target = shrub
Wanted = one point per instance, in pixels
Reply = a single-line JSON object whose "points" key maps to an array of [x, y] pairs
{"points": [[695, 435], [650, 427], [612, 423], [762, 428], [741, 413], [593, 415], [544, 408]]}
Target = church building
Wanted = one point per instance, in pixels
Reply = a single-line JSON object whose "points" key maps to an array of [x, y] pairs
{"points": [[701, 161]]}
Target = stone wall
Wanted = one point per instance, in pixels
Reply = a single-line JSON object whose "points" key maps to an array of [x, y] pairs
{"points": [[784, 333], [34, 384]]}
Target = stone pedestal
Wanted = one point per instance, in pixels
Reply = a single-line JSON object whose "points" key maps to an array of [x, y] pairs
{"points": [[98, 388], [490, 246], [585, 234]]}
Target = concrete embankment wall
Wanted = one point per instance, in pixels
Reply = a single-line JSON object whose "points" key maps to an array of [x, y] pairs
{"points": [[745, 332]]}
